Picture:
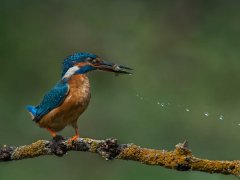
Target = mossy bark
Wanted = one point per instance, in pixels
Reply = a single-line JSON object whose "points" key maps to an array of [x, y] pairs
{"points": [[181, 158]]}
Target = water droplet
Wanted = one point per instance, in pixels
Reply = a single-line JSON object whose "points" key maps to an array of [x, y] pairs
{"points": [[187, 109], [141, 98], [206, 114], [158, 102], [162, 104], [239, 124], [221, 117], [137, 95]]}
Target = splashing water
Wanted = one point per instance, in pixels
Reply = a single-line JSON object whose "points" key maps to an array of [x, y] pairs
{"points": [[185, 108], [206, 114], [221, 117], [140, 97], [162, 104]]}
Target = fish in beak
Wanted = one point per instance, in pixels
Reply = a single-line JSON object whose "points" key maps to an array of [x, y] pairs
{"points": [[111, 67]]}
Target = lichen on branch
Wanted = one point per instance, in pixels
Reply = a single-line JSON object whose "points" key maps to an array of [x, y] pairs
{"points": [[181, 158]]}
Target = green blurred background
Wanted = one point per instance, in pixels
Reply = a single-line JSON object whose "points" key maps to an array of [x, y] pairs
{"points": [[185, 55]]}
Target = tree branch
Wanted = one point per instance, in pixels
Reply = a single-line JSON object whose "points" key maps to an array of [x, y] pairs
{"points": [[180, 159]]}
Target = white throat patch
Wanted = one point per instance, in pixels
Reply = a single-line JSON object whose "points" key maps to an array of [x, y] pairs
{"points": [[71, 71]]}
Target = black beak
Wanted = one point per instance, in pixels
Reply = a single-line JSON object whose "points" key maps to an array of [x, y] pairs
{"points": [[111, 67]]}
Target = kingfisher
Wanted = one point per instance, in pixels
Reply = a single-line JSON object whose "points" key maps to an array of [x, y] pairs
{"points": [[69, 98]]}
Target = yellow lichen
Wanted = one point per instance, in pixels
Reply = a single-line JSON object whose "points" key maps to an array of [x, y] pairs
{"points": [[179, 159], [93, 144], [28, 151]]}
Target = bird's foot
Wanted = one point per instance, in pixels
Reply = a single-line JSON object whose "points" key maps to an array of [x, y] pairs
{"points": [[73, 139], [58, 138], [52, 132]]}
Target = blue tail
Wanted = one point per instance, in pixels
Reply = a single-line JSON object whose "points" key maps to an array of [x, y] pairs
{"points": [[32, 110]]}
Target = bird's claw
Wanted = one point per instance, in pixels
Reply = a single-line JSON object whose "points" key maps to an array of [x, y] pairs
{"points": [[73, 139]]}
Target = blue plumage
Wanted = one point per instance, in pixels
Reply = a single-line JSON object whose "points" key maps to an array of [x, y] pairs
{"points": [[32, 110], [61, 106], [50, 101], [75, 58], [56, 96], [85, 69]]}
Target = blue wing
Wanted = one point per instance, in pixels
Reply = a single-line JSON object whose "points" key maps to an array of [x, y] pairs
{"points": [[51, 100]]}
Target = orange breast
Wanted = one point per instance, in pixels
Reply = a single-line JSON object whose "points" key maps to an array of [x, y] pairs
{"points": [[73, 106]]}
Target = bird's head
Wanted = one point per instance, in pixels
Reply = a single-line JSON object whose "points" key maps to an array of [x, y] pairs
{"points": [[81, 63]]}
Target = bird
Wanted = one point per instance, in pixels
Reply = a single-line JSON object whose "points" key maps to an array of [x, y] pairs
{"points": [[69, 98]]}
